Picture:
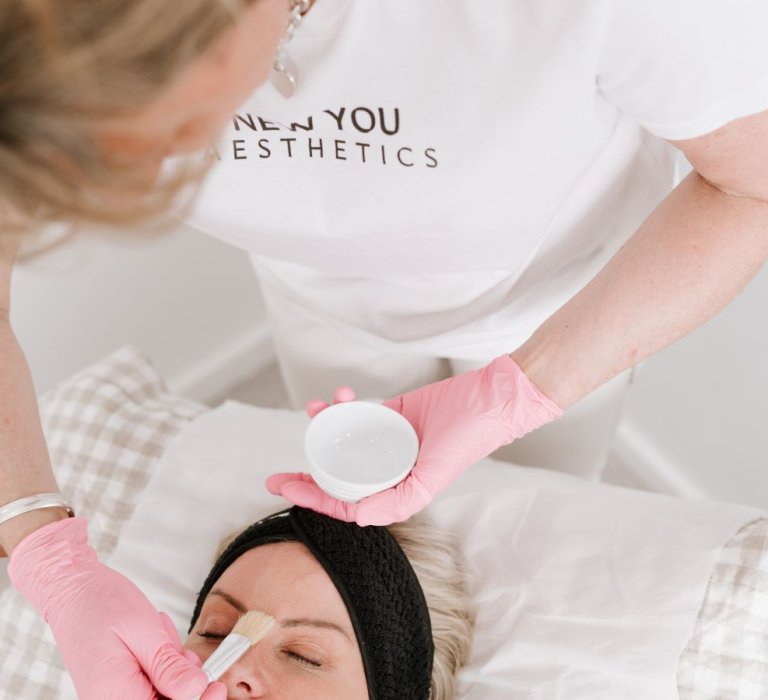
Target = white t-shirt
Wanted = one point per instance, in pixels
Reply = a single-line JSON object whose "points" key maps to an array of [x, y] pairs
{"points": [[448, 174]]}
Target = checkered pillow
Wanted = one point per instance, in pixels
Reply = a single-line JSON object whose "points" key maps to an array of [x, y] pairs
{"points": [[727, 656], [105, 429]]}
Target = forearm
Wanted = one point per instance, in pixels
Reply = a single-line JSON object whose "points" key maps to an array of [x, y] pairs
{"points": [[692, 256], [25, 468]]}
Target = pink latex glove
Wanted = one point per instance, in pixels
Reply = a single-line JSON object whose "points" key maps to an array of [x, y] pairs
{"points": [[459, 421], [114, 643]]}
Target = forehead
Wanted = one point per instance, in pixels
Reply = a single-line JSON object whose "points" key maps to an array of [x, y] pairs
{"points": [[281, 579]]}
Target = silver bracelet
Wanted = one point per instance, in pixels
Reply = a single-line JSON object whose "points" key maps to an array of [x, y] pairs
{"points": [[40, 500]]}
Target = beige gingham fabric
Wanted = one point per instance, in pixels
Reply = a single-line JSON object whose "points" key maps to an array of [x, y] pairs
{"points": [[106, 427], [727, 655]]}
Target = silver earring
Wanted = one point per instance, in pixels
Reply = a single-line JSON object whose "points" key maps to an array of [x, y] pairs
{"points": [[285, 76]]}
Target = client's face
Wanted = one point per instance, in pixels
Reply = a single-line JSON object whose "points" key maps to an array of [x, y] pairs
{"points": [[311, 651]]}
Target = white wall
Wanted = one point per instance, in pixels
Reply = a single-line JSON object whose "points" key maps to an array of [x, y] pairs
{"points": [[188, 301], [696, 420]]}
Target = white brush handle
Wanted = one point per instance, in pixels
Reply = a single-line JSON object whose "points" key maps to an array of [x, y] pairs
{"points": [[227, 653]]}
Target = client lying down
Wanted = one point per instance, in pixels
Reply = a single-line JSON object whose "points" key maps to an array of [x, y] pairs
{"points": [[362, 612]]}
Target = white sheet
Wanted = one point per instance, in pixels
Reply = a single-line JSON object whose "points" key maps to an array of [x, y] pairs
{"points": [[583, 591]]}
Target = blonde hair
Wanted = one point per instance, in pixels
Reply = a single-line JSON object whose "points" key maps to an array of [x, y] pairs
{"points": [[67, 68], [436, 558]]}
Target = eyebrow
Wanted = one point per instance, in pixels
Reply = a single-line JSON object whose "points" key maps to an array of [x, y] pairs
{"points": [[287, 623], [234, 602], [310, 622]]}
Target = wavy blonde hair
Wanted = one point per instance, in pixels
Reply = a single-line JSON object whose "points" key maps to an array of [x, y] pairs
{"points": [[436, 559], [67, 66]]}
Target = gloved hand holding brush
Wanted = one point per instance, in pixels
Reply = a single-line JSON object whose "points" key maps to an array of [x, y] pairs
{"points": [[113, 641]]}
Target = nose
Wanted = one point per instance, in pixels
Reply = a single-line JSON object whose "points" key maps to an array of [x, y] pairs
{"points": [[246, 678]]}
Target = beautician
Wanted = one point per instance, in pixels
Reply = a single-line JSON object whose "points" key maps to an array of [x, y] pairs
{"points": [[483, 189]]}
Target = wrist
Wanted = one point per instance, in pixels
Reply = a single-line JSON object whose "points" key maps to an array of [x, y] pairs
{"points": [[558, 383], [48, 562], [13, 531]]}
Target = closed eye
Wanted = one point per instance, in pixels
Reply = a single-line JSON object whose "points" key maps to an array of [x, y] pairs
{"points": [[211, 635], [290, 654], [303, 659]]}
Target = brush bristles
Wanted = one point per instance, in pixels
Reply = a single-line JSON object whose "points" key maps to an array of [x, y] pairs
{"points": [[254, 625]]}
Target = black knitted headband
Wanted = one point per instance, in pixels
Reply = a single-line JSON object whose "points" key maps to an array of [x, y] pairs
{"points": [[378, 585]]}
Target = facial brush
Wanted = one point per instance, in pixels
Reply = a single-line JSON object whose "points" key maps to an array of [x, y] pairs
{"points": [[250, 629]]}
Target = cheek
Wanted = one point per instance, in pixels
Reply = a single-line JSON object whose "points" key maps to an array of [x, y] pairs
{"points": [[198, 134], [248, 57]]}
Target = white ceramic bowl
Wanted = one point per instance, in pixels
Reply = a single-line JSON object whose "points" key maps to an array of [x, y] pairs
{"points": [[357, 448]]}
